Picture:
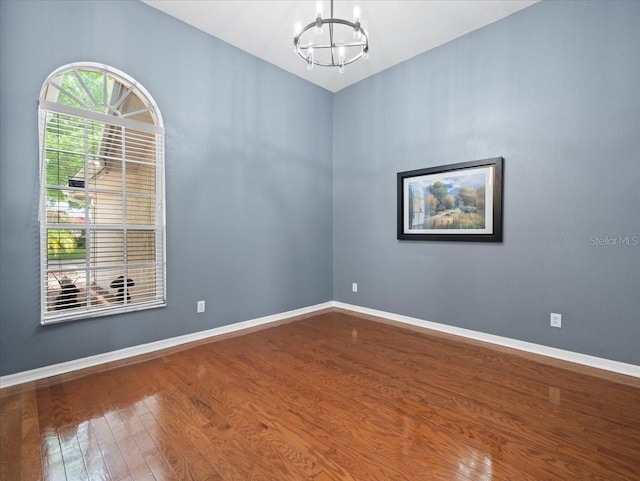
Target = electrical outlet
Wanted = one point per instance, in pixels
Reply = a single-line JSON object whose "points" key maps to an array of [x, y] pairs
{"points": [[354, 287], [556, 320], [200, 308]]}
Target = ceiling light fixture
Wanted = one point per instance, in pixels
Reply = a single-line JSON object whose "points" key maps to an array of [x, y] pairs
{"points": [[327, 47]]}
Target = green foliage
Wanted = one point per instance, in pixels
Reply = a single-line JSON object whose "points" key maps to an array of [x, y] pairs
{"points": [[439, 190], [449, 201], [67, 255], [92, 97], [62, 244], [69, 139], [468, 196]]}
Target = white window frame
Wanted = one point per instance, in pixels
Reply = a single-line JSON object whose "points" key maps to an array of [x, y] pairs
{"points": [[47, 107]]}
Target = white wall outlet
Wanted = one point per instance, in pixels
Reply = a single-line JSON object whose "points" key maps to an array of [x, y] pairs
{"points": [[556, 320], [200, 307], [354, 287]]}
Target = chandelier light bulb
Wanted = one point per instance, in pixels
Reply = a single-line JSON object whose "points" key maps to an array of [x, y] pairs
{"points": [[310, 60], [319, 18], [357, 33]]}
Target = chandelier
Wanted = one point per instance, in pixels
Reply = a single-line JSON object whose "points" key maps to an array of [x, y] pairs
{"points": [[324, 41]]}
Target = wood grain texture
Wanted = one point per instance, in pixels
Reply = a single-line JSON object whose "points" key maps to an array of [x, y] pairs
{"points": [[333, 396]]}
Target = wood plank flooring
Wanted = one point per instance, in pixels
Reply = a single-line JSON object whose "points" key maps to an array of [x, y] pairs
{"points": [[329, 397]]}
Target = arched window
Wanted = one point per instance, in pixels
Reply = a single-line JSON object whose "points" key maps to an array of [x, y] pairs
{"points": [[102, 207]]}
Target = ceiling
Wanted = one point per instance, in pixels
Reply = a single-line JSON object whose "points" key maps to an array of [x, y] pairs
{"points": [[398, 29]]}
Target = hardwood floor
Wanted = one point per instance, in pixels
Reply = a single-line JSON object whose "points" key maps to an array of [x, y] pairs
{"points": [[329, 397]]}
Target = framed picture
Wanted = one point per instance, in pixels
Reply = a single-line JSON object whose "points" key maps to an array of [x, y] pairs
{"points": [[457, 202]]}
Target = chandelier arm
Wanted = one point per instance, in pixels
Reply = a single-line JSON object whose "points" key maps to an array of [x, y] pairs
{"points": [[346, 62], [326, 45]]}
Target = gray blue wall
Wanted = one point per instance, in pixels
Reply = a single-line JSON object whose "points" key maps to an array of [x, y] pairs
{"points": [[555, 90], [262, 219], [249, 190]]}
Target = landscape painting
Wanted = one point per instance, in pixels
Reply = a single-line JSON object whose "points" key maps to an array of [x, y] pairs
{"points": [[461, 202]]}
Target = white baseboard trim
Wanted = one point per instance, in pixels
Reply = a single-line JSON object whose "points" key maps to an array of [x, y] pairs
{"points": [[120, 354], [575, 357], [91, 361]]}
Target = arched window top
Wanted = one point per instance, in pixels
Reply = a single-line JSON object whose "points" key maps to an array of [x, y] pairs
{"points": [[99, 90]]}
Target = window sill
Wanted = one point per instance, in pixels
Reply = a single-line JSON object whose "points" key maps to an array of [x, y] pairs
{"points": [[58, 318]]}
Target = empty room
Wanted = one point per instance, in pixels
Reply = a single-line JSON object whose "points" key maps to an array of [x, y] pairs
{"points": [[288, 240]]}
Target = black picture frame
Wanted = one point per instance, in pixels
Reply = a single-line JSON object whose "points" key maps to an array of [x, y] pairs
{"points": [[457, 202]]}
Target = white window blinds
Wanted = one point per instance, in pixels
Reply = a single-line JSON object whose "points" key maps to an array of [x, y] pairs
{"points": [[102, 195]]}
